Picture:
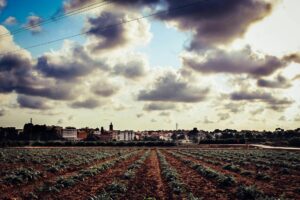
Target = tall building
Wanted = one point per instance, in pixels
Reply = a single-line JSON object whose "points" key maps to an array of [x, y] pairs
{"points": [[111, 127]]}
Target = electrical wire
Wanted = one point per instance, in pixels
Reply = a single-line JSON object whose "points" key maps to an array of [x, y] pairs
{"points": [[166, 12]]}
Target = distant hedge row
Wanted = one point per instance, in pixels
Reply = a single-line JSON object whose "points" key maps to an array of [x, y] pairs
{"points": [[85, 143], [232, 141], [295, 141]]}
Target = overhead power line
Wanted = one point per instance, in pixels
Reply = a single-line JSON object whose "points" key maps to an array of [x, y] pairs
{"points": [[166, 12], [59, 17]]}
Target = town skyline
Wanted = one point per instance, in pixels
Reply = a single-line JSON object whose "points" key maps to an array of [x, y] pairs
{"points": [[149, 65]]}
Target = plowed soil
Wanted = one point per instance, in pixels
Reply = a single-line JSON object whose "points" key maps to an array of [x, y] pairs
{"points": [[148, 182]]}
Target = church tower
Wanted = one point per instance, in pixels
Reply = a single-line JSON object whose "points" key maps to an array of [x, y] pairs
{"points": [[111, 127]]}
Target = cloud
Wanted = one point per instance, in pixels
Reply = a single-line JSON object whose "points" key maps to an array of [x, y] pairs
{"points": [[2, 112], [139, 115], [105, 88], [9, 44], [294, 57], [234, 107], [17, 75], [223, 116], [235, 62], [280, 82], [215, 22], [88, 104], [132, 69], [270, 100], [32, 102], [172, 88], [2, 4], [75, 4], [165, 114], [257, 111], [158, 106], [10, 21], [108, 32], [70, 63], [282, 118], [297, 118], [153, 120], [109, 37], [33, 24], [206, 121], [297, 77]]}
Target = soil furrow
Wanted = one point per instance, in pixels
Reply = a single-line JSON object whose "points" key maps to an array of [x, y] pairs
{"points": [[199, 186], [148, 182]]}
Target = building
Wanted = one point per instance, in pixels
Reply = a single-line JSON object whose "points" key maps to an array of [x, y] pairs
{"points": [[125, 136], [106, 136], [82, 134], [70, 133]]}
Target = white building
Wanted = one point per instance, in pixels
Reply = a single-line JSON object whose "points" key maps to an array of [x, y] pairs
{"points": [[125, 136], [70, 133], [97, 132]]}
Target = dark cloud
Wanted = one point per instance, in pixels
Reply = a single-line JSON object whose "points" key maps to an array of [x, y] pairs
{"points": [[88, 103], [15, 72], [65, 71], [18, 74], [158, 106], [280, 82], [171, 88], [107, 36], [70, 67], [132, 70], [75, 4], [236, 62], [32, 102], [33, 24], [10, 21], [294, 57], [211, 22], [215, 21], [105, 89], [57, 91], [137, 3], [270, 100]]}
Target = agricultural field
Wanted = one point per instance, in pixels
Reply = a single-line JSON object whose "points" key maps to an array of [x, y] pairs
{"points": [[148, 173]]}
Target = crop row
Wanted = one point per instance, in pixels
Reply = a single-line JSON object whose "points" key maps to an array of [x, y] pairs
{"points": [[242, 191], [221, 179], [65, 182], [232, 167], [172, 177], [117, 188], [244, 158], [26, 175]]}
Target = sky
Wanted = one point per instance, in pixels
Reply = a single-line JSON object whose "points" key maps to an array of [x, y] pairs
{"points": [[198, 63]]}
